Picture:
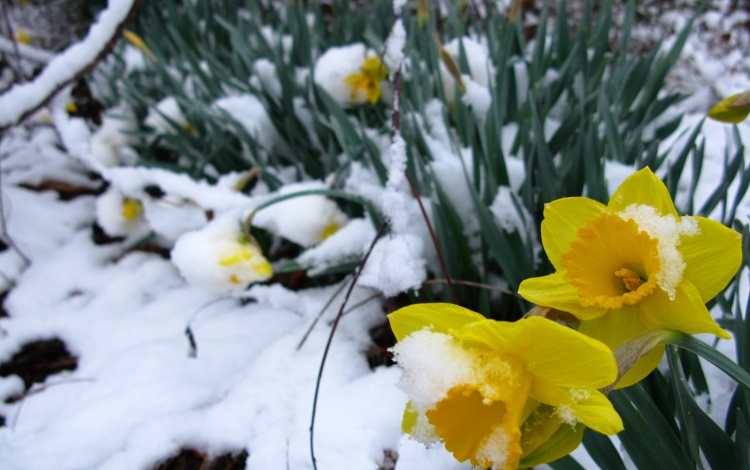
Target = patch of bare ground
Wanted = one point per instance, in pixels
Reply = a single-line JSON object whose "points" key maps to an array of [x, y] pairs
{"points": [[38, 360], [192, 459]]}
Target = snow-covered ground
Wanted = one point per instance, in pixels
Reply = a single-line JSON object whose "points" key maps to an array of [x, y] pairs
{"points": [[164, 365]]}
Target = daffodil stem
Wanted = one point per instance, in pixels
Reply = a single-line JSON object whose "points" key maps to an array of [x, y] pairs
{"points": [[470, 283], [330, 339]]}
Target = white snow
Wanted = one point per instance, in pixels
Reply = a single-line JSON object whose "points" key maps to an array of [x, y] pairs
{"points": [[251, 114], [669, 232], [164, 115], [347, 244], [479, 65], [107, 142], [140, 393], [305, 220], [394, 45]]}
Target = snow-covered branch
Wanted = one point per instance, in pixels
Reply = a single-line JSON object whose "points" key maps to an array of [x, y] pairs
{"points": [[77, 60]]}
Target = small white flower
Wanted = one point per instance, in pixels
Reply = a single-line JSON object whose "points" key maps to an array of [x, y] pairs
{"points": [[220, 257], [118, 215]]}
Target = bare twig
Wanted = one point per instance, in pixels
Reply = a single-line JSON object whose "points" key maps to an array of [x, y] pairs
{"points": [[470, 283], [443, 266], [359, 304], [330, 339], [320, 314], [193, 353]]}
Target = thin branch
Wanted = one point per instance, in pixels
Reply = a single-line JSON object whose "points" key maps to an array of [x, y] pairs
{"points": [[443, 266], [320, 314], [470, 283], [359, 304], [330, 339]]}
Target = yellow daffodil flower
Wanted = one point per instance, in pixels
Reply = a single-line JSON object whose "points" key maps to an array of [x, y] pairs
{"points": [[368, 80], [131, 209], [22, 36], [634, 264], [245, 262], [500, 394], [219, 256], [733, 109]]}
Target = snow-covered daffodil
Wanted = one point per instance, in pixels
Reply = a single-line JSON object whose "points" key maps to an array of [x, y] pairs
{"points": [[634, 264], [496, 393], [119, 215], [368, 80], [304, 220], [22, 36], [219, 256], [733, 109], [351, 74]]}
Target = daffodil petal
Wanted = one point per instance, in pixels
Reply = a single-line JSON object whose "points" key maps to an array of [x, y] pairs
{"points": [[562, 220], [615, 328], [597, 413], [686, 313], [410, 418], [549, 350], [642, 368], [642, 187], [441, 317], [712, 257], [465, 423], [555, 292], [541, 424], [563, 442], [585, 405]]}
